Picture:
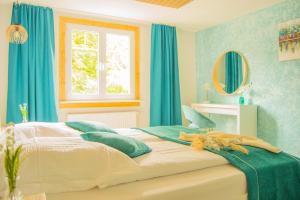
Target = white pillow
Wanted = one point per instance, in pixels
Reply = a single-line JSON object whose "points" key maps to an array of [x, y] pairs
{"points": [[44, 129]]}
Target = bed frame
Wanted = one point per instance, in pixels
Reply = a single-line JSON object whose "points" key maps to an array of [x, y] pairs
{"points": [[221, 182]]}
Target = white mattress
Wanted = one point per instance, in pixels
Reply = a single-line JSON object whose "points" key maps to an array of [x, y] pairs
{"points": [[215, 183]]}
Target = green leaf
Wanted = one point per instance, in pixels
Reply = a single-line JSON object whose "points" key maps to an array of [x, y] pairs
{"points": [[12, 165]]}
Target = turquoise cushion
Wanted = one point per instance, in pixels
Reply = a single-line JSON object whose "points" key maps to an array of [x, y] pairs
{"points": [[86, 126], [130, 146]]}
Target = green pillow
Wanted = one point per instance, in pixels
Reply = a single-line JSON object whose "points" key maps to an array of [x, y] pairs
{"points": [[130, 146], [86, 126]]}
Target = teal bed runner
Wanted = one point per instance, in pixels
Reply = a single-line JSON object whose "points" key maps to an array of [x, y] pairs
{"points": [[269, 176], [170, 133]]}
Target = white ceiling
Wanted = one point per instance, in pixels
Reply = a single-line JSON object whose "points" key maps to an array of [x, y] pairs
{"points": [[197, 15]]}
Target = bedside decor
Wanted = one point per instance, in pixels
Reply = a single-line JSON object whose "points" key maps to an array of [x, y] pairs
{"points": [[23, 109], [245, 97], [16, 33], [12, 164], [289, 40], [241, 100]]}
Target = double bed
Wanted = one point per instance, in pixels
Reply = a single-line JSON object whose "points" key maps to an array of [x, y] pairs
{"points": [[64, 166]]}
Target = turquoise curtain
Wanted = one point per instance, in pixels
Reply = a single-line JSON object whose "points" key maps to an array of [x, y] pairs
{"points": [[30, 67], [165, 106], [234, 72]]}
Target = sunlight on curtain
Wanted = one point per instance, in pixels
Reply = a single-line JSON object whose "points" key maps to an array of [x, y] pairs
{"points": [[30, 68], [165, 105]]}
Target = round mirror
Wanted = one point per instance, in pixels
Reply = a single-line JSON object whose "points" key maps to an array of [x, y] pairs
{"points": [[230, 73]]}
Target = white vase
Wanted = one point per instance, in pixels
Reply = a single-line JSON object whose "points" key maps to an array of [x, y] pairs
{"points": [[24, 119], [16, 194]]}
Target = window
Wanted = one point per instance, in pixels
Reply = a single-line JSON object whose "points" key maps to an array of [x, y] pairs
{"points": [[99, 64], [84, 57]]}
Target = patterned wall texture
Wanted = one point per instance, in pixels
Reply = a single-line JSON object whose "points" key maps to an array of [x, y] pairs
{"points": [[276, 85]]}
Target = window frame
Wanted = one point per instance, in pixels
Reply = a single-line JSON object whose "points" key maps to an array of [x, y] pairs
{"points": [[68, 101]]}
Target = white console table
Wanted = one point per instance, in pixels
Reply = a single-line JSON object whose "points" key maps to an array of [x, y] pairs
{"points": [[246, 115]]}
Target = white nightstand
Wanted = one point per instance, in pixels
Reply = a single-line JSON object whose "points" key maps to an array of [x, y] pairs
{"points": [[41, 196]]}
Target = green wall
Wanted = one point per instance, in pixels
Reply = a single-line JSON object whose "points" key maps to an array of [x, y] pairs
{"points": [[276, 85]]}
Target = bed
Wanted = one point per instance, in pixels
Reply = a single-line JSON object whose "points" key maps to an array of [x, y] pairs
{"points": [[64, 166]]}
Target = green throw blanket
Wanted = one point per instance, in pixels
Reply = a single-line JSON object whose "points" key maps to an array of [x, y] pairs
{"points": [[269, 176], [169, 133]]}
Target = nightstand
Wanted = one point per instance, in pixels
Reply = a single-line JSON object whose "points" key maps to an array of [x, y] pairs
{"points": [[41, 196]]}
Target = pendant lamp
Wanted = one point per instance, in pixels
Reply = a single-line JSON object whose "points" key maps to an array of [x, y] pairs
{"points": [[16, 33]]}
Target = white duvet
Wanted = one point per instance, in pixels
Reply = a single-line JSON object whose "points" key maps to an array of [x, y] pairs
{"points": [[58, 160]]}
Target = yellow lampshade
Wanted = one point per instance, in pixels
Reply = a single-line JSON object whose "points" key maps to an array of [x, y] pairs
{"points": [[16, 34]]}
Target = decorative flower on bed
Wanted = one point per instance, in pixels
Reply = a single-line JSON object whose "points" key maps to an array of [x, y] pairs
{"points": [[218, 140]]}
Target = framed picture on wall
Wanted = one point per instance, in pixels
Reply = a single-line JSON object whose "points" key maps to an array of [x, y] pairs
{"points": [[289, 40]]}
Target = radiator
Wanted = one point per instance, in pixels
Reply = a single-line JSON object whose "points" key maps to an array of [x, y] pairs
{"points": [[112, 119]]}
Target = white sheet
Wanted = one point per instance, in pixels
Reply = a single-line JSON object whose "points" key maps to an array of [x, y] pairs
{"points": [[59, 160]]}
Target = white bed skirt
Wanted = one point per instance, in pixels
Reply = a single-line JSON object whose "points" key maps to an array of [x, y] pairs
{"points": [[216, 183]]}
